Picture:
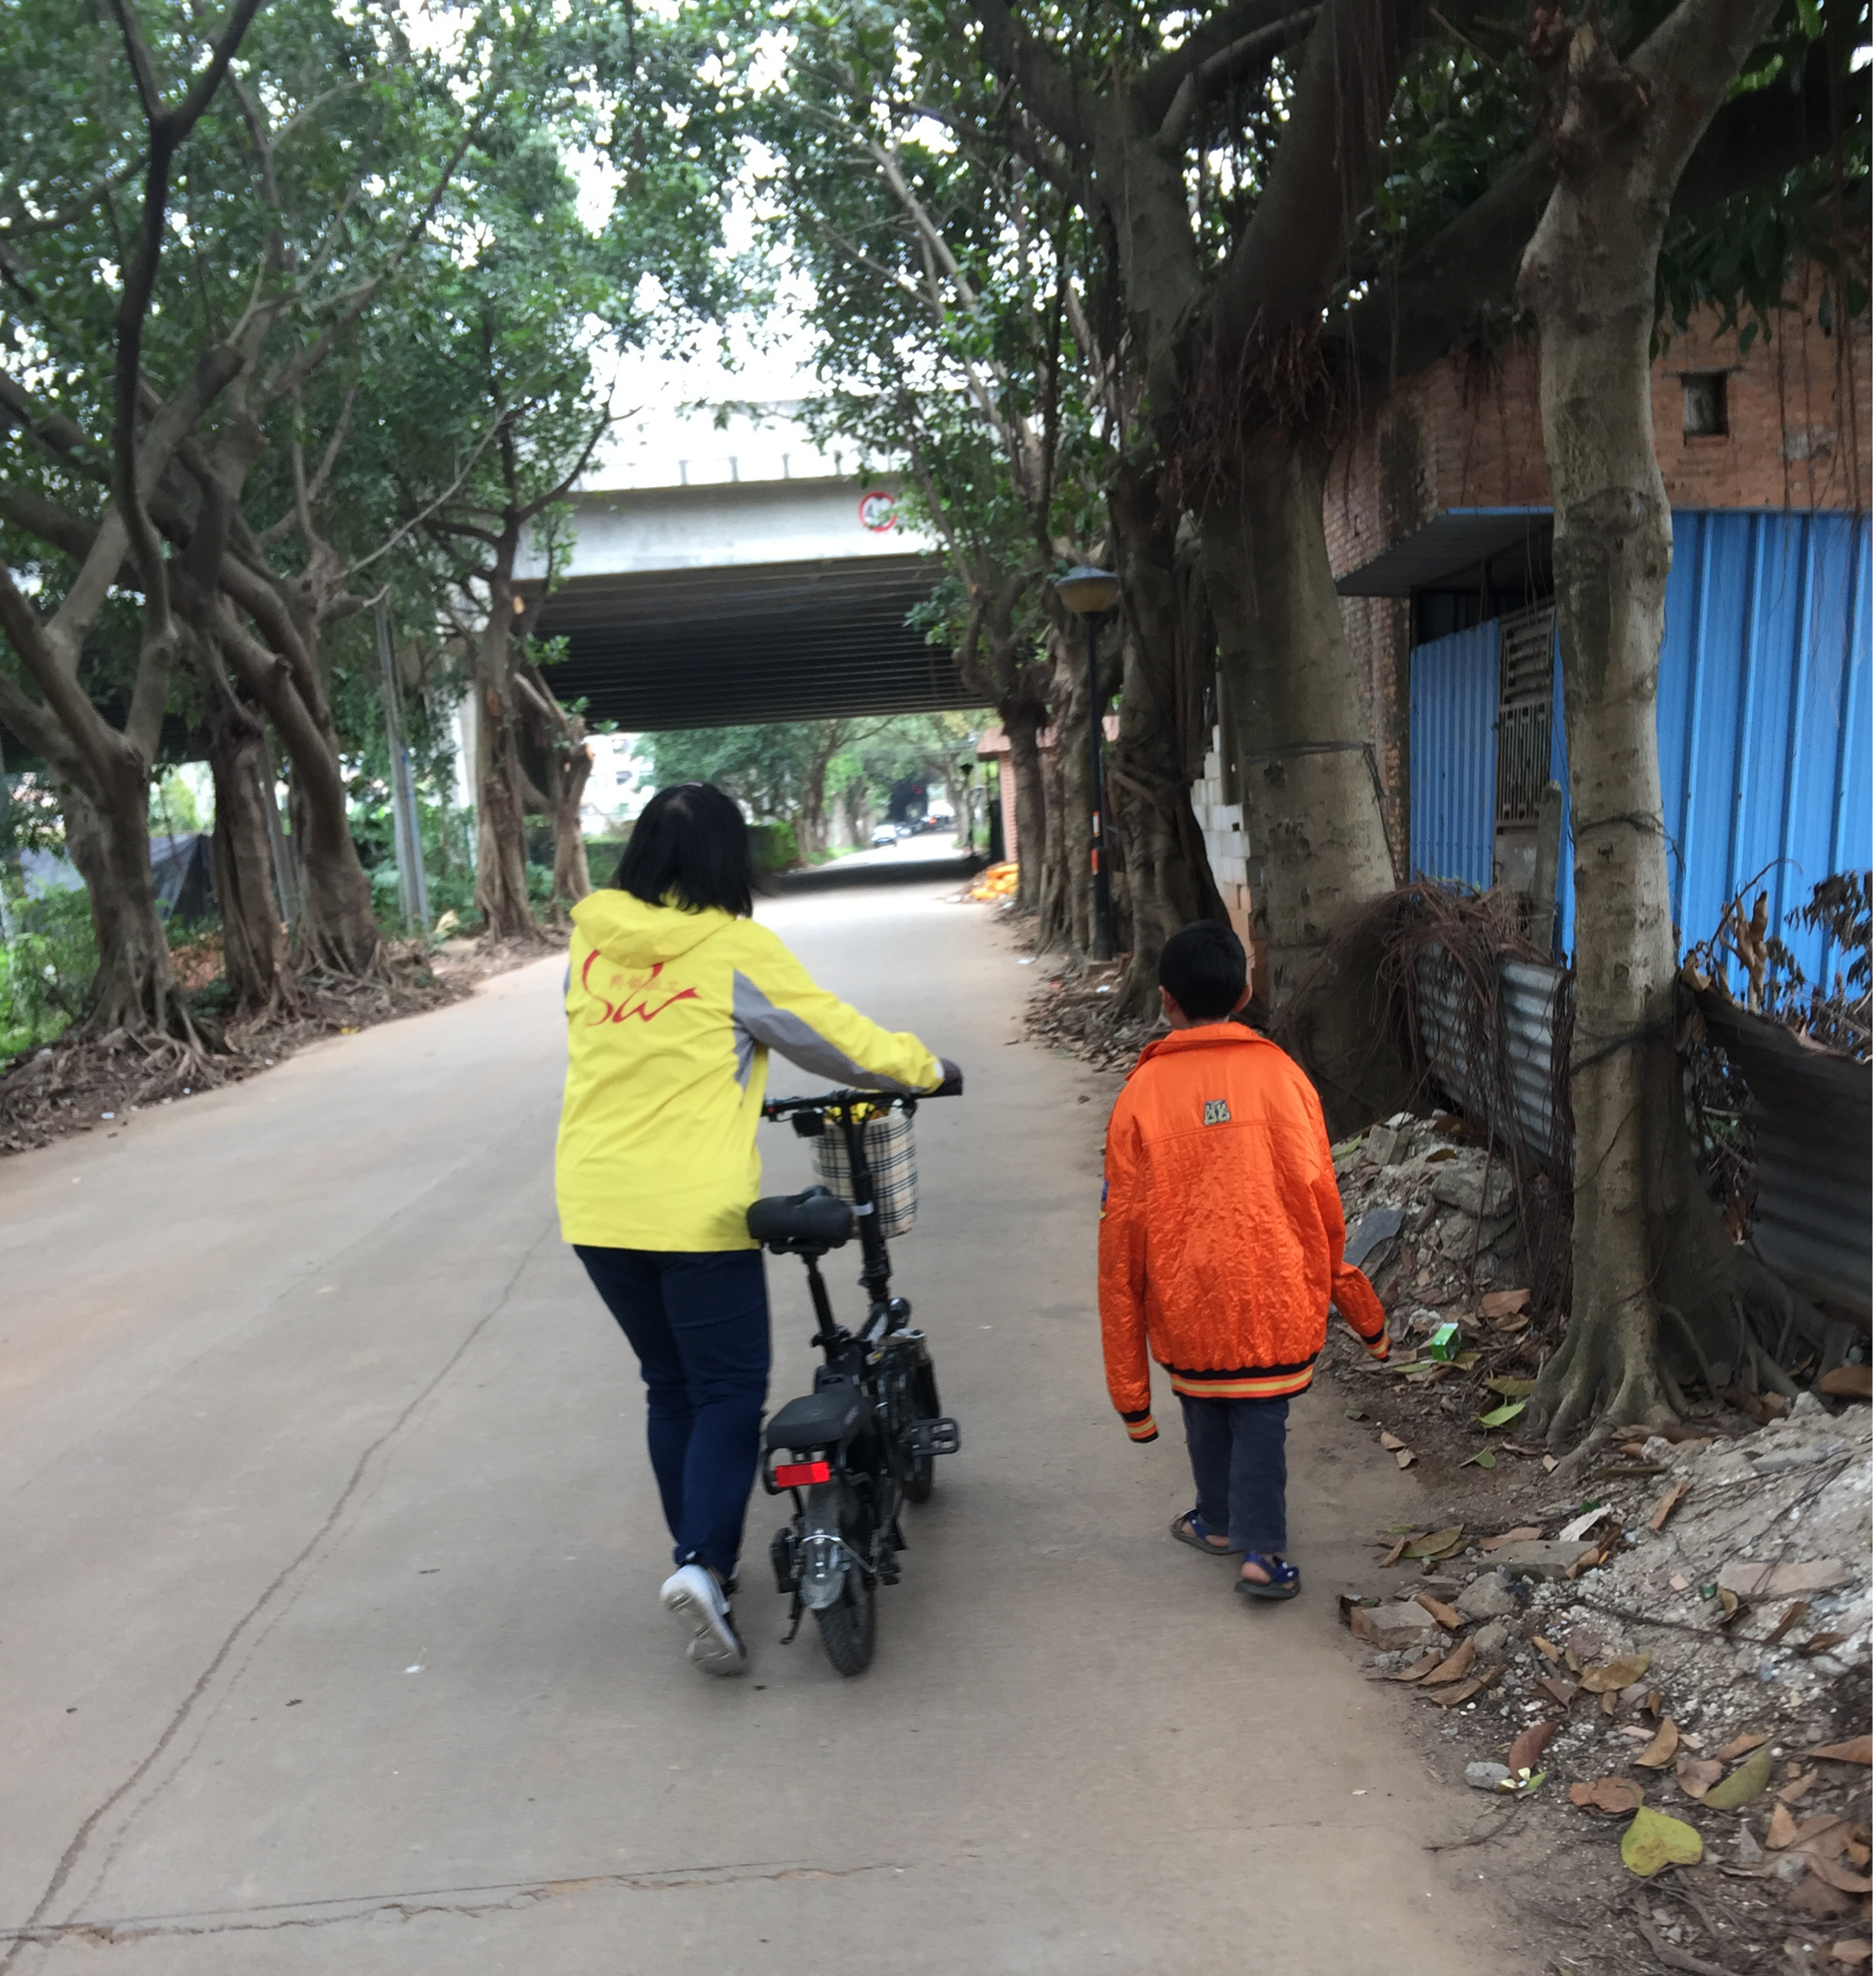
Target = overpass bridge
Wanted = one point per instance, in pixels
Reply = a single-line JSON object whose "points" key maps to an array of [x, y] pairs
{"points": [[742, 601]]}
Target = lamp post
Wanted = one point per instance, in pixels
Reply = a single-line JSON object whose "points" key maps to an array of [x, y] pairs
{"points": [[1090, 593]]}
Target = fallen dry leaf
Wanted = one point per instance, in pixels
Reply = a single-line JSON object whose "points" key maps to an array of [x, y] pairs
{"points": [[1392, 1442], [1660, 1751], [1611, 1676], [1395, 1551], [1798, 1610], [1696, 1776], [1827, 1834], [1850, 1951], [1403, 1457], [1560, 1691], [1435, 1543], [1846, 1382], [1835, 1875], [1549, 1649], [1451, 1698], [1503, 1303], [1445, 1615], [1746, 1739], [1797, 1790], [1421, 1669], [1529, 1745], [1525, 1533], [1781, 1831], [1819, 1899], [1455, 1666], [1857, 1852], [1819, 1643], [1618, 1795], [1550, 1464], [1665, 1507], [1857, 1751]]}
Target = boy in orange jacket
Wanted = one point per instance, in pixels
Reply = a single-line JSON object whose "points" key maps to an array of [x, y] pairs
{"points": [[1222, 1239]]}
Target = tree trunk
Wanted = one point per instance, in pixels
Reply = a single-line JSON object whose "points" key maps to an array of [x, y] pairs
{"points": [[1067, 909], [1645, 1240], [1315, 842], [1022, 722], [254, 946], [573, 764], [1158, 754], [134, 994], [501, 825]]}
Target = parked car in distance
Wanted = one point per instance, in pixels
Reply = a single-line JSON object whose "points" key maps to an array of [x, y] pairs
{"points": [[884, 833]]}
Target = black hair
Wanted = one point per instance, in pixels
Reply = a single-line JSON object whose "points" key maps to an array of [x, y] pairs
{"points": [[690, 848], [1202, 968]]}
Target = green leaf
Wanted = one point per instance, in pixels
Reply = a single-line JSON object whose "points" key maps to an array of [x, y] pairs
{"points": [[1513, 1389], [1438, 1544], [1484, 1458], [1499, 1415], [1654, 1840], [1744, 1785]]}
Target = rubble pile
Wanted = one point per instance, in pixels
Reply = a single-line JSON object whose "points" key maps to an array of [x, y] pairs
{"points": [[1429, 1215], [1687, 1643]]}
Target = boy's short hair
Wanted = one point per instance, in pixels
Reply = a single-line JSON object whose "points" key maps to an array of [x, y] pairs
{"points": [[1202, 968]]}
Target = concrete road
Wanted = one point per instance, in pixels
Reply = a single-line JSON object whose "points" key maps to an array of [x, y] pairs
{"points": [[328, 1638]]}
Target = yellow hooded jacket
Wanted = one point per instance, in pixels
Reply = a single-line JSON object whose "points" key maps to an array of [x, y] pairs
{"points": [[671, 1017]]}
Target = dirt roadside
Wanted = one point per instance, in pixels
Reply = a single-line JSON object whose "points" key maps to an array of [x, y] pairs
{"points": [[65, 1088]]}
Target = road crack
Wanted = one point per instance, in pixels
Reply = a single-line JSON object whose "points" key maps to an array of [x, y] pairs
{"points": [[283, 1582], [497, 1897]]}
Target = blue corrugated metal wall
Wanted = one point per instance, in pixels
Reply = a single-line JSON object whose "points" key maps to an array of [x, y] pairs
{"points": [[1453, 750], [1763, 718]]}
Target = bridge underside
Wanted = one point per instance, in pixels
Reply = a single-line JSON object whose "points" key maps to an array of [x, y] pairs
{"points": [[726, 647]]}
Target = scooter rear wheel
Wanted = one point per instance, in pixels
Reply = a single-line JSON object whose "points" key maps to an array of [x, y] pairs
{"points": [[849, 1628]]}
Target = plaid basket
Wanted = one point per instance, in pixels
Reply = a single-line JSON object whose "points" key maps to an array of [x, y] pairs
{"points": [[895, 1168]]}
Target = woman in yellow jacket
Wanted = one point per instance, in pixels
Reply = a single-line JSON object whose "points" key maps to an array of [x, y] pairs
{"points": [[674, 998]]}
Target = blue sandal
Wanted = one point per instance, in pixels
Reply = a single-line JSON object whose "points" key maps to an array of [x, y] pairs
{"points": [[1285, 1580], [1190, 1529]]}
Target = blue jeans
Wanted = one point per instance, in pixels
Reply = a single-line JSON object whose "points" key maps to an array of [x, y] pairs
{"points": [[1237, 1450], [699, 1324]]}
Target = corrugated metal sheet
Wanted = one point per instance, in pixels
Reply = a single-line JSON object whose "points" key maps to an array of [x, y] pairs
{"points": [[1762, 715], [1529, 997], [1453, 752], [1811, 1128]]}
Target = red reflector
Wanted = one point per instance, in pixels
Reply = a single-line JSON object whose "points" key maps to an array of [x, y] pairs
{"points": [[794, 1474]]}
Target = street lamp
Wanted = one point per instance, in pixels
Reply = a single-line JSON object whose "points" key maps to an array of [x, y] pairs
{"points": [[1090, 593]]}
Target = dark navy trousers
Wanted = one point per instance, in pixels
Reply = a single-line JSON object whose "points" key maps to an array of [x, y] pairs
{"points": [[699, 1324], [1237, 1450]]}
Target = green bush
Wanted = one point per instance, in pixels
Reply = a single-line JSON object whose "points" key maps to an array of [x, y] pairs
{"points": [[47, 961], [773, 847]]}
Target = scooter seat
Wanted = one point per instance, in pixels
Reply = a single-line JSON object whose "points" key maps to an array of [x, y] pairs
{"points": [[816, 1420], [813, 1218]]}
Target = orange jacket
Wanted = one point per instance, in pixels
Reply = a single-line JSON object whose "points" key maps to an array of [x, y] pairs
{"points": [[1222, 1227]]}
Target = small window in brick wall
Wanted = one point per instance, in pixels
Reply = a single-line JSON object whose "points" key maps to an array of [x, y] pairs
{"points": [[1704, 404], [1525, 662]]}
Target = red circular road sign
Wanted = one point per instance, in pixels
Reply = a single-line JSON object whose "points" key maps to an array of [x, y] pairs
{"points": [[878, 510]]}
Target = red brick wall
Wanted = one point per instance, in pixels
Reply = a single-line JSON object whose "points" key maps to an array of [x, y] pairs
{"points": [[1467, 434]]}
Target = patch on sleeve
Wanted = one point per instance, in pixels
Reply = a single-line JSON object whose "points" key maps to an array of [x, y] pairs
{"points": [[1217, 1112]]}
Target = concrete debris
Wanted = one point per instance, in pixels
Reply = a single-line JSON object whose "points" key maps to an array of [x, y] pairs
{"points": [[1487, 1777], [1489, 1596], [1542, 1558]]}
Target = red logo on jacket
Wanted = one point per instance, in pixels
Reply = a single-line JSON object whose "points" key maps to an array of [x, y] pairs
{"points": [[637, 993]]}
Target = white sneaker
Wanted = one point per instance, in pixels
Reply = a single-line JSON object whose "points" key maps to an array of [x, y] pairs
{"points": [[695, 1597]]}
